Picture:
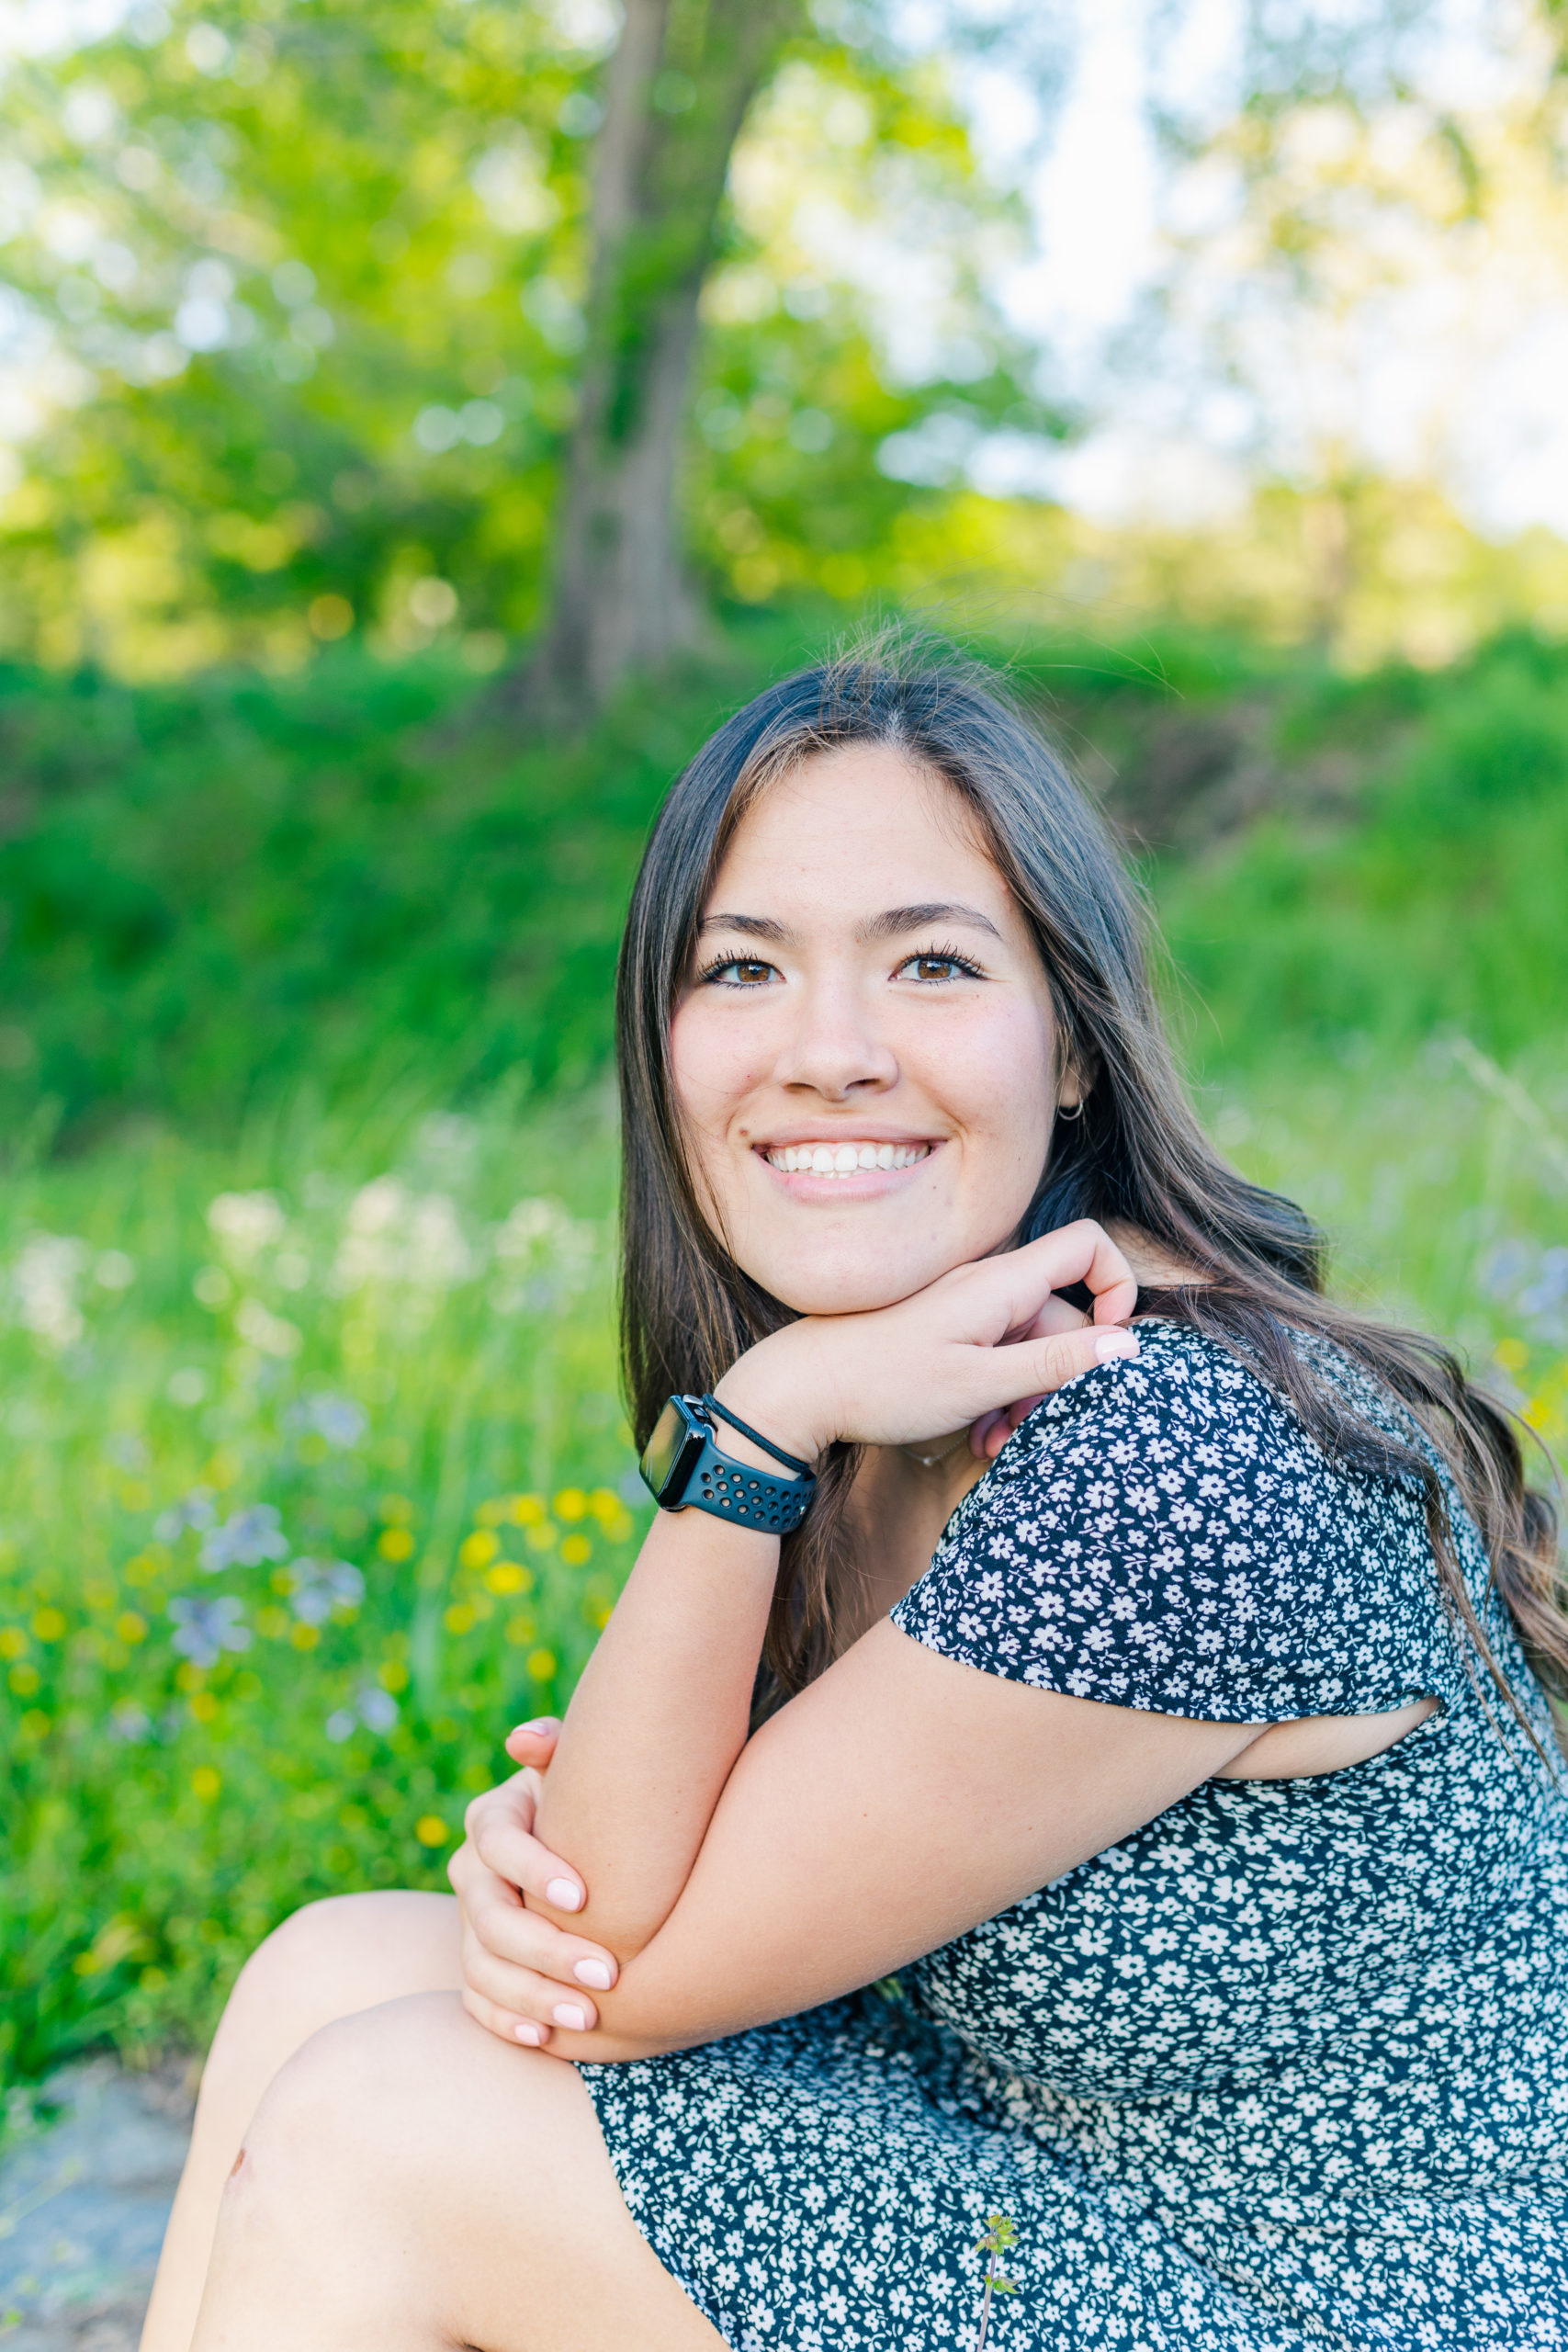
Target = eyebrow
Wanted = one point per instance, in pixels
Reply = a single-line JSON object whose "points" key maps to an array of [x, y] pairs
{"points": [[898, 920], [754, 927], [894, 924]]}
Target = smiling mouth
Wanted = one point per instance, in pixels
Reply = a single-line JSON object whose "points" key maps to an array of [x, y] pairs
{"points": [[847, 1158]]}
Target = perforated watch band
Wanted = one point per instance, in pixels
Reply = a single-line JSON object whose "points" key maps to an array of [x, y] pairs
{"points": [[684, 1469], [732, 1490]]}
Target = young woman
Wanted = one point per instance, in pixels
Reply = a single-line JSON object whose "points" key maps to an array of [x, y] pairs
{"points": [[1058, 1607]]}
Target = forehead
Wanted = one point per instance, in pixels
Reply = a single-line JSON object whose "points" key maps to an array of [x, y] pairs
{"points": [[857, 826]]}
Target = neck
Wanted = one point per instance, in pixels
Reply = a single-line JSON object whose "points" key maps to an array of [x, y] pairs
{"points": [[897, 1510]]}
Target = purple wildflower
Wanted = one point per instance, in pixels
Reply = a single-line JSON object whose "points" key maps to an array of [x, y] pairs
{"points": [[194, 1509], [338, 1420], [205, 1628], [245, 1539], [322, 1586]]}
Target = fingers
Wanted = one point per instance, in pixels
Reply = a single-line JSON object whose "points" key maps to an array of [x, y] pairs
{"points": [[524, 2005], [992, 1432], [1056, 1315], [501, 2023], [981, 1433], [1083, 1252], [1039, 1367], [535, 1743], [500, 1825], [495, 1911], [495, 1919]]}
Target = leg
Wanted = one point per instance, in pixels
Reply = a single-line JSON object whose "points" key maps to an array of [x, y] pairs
{"points": [[412, 2183], [325, 1963]]}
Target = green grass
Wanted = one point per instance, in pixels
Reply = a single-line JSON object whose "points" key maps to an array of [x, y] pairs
{"points": [[363, 1007], [402, 1355], [1442, 906]]}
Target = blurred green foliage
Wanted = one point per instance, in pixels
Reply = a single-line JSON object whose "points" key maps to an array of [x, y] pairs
{"points": [[314, 283]]}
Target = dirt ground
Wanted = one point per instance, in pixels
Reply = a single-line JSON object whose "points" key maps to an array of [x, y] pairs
{"points": [[83, 2205]]}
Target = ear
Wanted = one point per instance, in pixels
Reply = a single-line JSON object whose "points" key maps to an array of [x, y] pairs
{"points": [[1076, 1082]]}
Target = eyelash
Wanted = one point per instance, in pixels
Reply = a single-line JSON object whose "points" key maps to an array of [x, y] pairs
{"points": [[709, 974], [969, 970]]}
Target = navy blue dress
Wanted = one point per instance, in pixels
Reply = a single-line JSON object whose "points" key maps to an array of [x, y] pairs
{"points": [[1287, 2067]]}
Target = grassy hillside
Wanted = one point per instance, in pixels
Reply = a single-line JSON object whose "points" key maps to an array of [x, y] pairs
{"points": [[217, 893]]}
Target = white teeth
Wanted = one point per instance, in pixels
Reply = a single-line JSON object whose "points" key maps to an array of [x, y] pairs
{"points": [[845, 1158]]}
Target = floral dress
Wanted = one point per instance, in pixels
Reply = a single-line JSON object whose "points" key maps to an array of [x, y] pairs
{"points": [[1286, 2067]]}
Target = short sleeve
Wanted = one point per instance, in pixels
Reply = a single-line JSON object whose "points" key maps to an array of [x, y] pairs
{"points": [[1163, 1533]]}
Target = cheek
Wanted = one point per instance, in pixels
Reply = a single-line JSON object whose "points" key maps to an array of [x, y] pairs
{"points": [[710, 1067], [998, 1078]]}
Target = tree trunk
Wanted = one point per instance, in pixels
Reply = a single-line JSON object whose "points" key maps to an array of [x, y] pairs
{"points": [[679, 85]]}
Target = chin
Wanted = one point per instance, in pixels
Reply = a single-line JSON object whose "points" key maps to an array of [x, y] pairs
{"points": [[851, 1289]]}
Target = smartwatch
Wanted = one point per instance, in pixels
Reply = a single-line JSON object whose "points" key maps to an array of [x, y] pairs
{"points": [[684, 1469]]}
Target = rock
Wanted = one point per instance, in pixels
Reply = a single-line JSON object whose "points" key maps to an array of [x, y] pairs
{"points": [[84, 2204]]}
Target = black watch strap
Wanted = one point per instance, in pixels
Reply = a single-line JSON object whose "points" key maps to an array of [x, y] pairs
{"points": [[684, 1469], [790, 1461]]}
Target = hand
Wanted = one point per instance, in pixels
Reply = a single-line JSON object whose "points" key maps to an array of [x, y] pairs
{"points": [[523, 1978], [980, 1339], [992, 1432]]}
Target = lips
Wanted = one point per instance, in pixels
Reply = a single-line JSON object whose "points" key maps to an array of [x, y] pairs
{"points": [[852, 1157]]}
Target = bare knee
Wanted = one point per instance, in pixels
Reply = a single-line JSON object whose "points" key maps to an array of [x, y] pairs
{"points": [[328, 1960], [383, 1945], [365, 2106]]}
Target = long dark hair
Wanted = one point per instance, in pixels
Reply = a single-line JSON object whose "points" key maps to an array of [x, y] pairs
{"points": [[1136, 1154]]}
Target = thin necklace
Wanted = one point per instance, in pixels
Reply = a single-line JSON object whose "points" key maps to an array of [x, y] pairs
{"points": [[929, 1461]]}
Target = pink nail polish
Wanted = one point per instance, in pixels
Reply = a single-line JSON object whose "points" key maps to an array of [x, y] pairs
{"points": [[526, 2030], [567, 2013], [561, 1895], [1111, 1344], [595, 1973]]}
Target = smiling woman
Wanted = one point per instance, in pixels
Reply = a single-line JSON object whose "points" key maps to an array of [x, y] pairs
{"points": [[1056, 1600]]}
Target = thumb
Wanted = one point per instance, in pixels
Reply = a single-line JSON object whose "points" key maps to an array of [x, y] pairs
{"points": [[534, 1743]]}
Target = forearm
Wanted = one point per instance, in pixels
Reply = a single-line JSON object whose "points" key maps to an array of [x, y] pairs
{"points": [[657, 1722]]}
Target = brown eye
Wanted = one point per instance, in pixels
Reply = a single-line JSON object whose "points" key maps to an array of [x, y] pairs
{"points": [[939, 967], [738, 972]]}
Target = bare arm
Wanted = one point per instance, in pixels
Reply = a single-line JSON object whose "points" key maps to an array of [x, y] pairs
{"points": [[660, 1717], [657, 1722], [897, 1803]]}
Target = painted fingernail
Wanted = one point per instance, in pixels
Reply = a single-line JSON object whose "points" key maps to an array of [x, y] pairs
{"points": [[1111, 1344], [562, 1895], [539, 1724], [526, 2030], [595, 1973], [568, 2013]]}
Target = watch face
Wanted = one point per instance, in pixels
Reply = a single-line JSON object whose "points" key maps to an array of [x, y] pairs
{"points": [[661, 1456]]}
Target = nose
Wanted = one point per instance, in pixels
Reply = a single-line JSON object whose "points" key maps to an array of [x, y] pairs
{"points": [[833, 1047]]}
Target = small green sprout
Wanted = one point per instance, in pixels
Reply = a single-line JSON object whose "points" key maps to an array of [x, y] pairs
{"points": [[1001, 2236]]}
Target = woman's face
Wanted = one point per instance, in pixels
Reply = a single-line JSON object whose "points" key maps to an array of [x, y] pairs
{"points": [[865, 1050]]}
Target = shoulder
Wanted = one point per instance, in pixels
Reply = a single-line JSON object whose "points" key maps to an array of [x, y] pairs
{"points": [[1163, 1533], [1181, 1383], [1183, 1413]]}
